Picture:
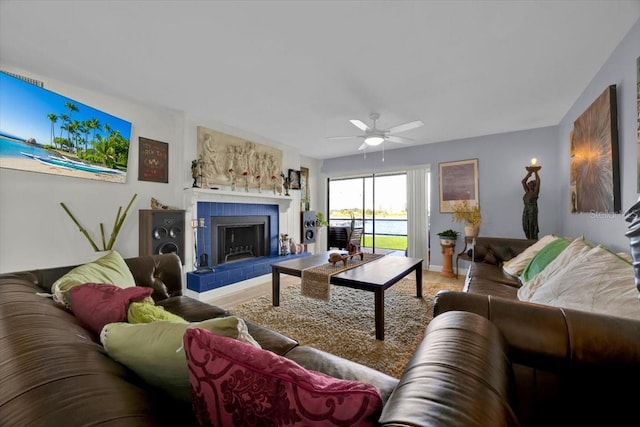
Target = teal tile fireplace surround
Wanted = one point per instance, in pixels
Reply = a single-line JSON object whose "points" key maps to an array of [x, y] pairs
{"points": [[233, 272]]}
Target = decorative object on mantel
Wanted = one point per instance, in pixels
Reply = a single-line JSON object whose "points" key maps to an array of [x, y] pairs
{"points": [[245, 175], [273, 180], [259, 184], [469, 213], [286, 182], [222, 153], [196, 171], [120, 217], [232, 178]]}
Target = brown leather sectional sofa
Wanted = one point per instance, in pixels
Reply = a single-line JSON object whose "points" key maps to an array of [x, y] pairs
{"points": [[566, 367], [54, 372]]}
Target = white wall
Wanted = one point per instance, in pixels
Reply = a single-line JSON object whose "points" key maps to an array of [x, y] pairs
{"points": [[35, 232], [34, 229]]}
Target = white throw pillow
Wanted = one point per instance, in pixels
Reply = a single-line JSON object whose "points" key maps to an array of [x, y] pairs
{"points": [[515, 265], [576, 248], [599, 281]]}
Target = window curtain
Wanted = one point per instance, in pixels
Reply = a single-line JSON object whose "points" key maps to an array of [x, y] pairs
{"points": [[417, 214]]}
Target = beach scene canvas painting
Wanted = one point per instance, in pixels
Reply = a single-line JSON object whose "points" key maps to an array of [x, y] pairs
{"points": [[42, 131]]}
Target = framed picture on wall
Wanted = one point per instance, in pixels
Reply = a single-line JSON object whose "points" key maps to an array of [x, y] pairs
{"points": [[153, 163], [294, 179], [304, 184], [458, 182]]}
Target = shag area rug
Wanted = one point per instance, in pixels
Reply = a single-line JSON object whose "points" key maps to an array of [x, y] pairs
{"points": [[345, 326]]}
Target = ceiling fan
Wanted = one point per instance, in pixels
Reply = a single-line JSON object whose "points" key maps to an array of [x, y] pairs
{"points": [[374, 136]]}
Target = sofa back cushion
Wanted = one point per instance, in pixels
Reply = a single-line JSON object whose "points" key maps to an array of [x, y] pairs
{"points": [[237, 384], [516, 265]]}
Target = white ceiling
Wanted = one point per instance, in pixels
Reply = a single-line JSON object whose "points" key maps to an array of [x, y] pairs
{"points": [[295, 72]]}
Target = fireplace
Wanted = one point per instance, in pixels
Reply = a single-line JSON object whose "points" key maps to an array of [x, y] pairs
{"points": [[237, 238], [234, 232]]}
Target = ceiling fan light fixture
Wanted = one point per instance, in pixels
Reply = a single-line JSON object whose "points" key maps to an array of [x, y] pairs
{"points": [[374, 140]]}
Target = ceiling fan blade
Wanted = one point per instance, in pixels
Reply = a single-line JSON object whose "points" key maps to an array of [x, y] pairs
{"points": [[363, 146], [343, 137], [398, 139], [359, 124], [406, 126]]}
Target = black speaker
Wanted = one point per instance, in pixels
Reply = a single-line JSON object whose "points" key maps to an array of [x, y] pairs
{"points": [[308, 227], [162, 231]]}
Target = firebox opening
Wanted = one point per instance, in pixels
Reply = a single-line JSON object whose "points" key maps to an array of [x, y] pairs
{"points": [[237, 238]]}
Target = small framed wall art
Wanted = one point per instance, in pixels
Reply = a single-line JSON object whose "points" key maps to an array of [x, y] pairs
{"points": [[153, 161], [458, 182], [294, 179]]}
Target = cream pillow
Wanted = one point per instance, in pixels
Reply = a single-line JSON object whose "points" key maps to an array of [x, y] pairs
{"points": [[599, 281], [576, 248], [110, 269], [515, 265]]}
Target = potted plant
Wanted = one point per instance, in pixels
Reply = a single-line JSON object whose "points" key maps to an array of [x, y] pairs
{"points": [[448, 237], [320, 221], [470, 215]]}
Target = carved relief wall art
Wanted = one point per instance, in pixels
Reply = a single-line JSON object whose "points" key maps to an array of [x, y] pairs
{"points": [[227, 159]]}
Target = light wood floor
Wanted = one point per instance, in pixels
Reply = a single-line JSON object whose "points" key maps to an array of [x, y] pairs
{"points": [[234, 298]]}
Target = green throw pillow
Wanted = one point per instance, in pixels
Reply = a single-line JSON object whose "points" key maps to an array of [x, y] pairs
{"points": [[154, 350], [146, 311], [111, 269], [540, 260]]}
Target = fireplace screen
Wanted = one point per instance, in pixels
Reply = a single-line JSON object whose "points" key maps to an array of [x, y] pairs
{"points": [[237, 238]]}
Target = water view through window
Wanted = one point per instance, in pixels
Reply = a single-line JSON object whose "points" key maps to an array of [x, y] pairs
{"points": [[377, 202]]}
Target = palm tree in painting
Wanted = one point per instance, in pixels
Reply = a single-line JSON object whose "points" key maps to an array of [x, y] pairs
{"points": [[70, 126], [104, 149], [94, 125], [53, 119]]}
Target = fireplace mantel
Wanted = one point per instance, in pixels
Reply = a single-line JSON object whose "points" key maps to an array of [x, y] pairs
{"points": [[194, 195]]}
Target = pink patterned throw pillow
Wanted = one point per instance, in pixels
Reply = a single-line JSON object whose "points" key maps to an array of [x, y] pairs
{"points": [[234, 383]]}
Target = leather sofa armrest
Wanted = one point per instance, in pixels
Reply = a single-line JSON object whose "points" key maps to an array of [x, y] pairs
{"points": [[162, 272], [461, 355], [554, 338]]}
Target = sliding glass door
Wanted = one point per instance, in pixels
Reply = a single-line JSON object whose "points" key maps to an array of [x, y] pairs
{"points": [[376, 202]]}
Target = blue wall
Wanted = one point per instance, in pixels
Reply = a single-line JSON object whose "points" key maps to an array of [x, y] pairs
{"points": [[501, 161]]}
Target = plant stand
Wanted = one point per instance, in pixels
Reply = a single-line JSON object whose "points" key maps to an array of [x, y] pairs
{"points": [[447, 260]]}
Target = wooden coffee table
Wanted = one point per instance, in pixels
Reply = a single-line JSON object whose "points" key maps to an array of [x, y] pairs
{"points": [[375, 276]]}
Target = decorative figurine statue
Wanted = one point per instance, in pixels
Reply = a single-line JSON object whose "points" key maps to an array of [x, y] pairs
{"points": [[530, 198]]}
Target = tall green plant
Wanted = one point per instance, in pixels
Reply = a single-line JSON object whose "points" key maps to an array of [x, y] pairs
{"points": [[106, 245]]}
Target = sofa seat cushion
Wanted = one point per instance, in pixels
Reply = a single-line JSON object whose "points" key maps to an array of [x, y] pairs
{"points": [[598, 281], [236, 384], [484, 278]]}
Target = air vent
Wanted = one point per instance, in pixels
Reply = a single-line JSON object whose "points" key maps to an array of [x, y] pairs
{"points": [[26, 79]]}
